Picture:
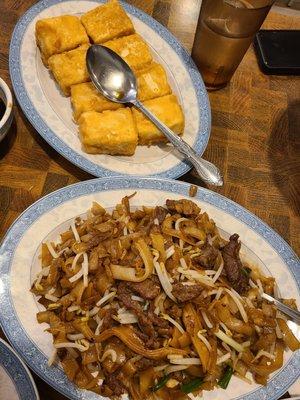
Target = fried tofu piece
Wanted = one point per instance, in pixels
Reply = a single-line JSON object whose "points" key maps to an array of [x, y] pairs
{"points": [[110, 132], [133, 50], [168, 110], [85, 97], [107, 22], [69, 68], [152, 82], [58, 34]]}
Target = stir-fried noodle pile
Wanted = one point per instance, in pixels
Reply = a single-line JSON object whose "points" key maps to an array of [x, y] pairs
{"points": [[155, 303]]}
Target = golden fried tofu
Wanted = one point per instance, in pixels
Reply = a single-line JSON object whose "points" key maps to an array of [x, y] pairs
{"points": [[110, 132], [58, 34], [107, 22], [133, 50], [152, 82], [85, 97], [69, 68], [168, 110]]}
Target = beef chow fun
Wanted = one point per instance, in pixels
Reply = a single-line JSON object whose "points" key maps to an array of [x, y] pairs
{"points": [[152, 302]]}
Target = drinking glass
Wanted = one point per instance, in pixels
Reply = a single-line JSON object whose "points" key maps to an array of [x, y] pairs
{"points": [[224, 32]]}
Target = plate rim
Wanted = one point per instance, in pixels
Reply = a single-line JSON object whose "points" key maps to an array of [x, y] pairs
{"points": [[24, 370], [290, 372], [80, 161]]}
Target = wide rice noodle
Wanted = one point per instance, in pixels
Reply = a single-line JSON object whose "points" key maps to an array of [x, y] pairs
{"points": [[128, 273]]}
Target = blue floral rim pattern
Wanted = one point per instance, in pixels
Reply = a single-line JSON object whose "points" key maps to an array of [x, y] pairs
{"points": [[32, 355], [18, 372], [59, 145]]}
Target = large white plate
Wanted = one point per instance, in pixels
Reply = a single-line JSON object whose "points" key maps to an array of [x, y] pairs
{"points": [[51, 115], [48, 217], [16, 382]]}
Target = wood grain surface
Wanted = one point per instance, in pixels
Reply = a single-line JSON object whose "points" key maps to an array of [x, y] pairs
{"points": [[255, 138]]}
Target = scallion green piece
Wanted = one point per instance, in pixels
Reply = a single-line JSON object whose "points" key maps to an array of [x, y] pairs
{"points": [[191, 386], [224, 381], [161, 383], [246, 271]]}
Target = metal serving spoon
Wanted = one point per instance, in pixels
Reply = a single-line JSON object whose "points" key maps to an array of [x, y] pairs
{"points": [[293, 314], [291, 398], [113, 77]]}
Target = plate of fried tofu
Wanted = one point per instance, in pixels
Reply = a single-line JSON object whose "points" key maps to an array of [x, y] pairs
{"points": [[52, 85]]}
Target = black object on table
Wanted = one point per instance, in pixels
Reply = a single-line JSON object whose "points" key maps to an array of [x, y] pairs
{"points": [[278, 51]]}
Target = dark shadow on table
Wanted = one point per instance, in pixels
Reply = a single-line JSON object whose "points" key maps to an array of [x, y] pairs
{"points": [[53, 154], [46, 392], [7, 143], [284, 154], [193, 178]]}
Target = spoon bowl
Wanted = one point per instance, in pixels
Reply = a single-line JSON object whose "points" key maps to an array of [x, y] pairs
{"points": [[113, 77]]}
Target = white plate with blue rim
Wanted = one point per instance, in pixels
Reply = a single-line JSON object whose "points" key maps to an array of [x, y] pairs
{"points": [[51, 115], [51, 215], [16, 382]]}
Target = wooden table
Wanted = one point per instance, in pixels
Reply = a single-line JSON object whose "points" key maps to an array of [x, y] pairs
{"points": [[255, 137]]}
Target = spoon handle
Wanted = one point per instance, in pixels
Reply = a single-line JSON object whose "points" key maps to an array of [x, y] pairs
{"points": [[293, 314], [207, 171]]}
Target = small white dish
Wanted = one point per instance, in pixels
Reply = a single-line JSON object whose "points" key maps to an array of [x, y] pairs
{"points": [[16, 382], [6, 120]]}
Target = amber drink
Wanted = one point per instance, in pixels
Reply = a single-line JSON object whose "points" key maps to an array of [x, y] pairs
{"points": [[224, 32]]}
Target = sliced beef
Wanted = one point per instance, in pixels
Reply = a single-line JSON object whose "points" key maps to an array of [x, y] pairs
{"points": [[145, 363], [207, 257], [152, 342], [128, 352], [178, 375], [124, 295], [149, 323], [184, 207], [85, 304], [114, 383], [174, 311], [157, 321], [144, 225], [233, 266], [144, 338], [164, 332], [95, 240], [55, 272], [148, 289], [108, 321], [137, 214], [186, 292], [160, 213]]}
